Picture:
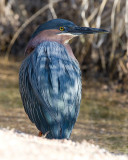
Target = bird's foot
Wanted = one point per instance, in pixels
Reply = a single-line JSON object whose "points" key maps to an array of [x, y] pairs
{"points": [[40, 134]]}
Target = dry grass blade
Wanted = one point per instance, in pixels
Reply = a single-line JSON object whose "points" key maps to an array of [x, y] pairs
{"points": [[103, 61], [113, 14], [126, 23], [98, 21], [114, 38], [90, 18], [84, 7], [126, 26], [123, 67], [2, 5], [52, 10]]}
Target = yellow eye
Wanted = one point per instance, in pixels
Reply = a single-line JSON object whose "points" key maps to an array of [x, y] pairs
{"points": [[61, 28]]}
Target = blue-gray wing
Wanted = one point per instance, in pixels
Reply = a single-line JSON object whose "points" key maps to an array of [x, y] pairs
{"points": [[50, 87]]}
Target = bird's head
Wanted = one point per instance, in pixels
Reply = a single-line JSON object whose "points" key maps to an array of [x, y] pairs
{"points": [[59, 30]]}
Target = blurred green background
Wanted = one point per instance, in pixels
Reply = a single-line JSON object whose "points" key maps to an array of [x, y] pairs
{"points": [[103, 59]]}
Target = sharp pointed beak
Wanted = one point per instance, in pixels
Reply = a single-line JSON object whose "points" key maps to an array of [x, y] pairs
{"points": [[86, 30]]}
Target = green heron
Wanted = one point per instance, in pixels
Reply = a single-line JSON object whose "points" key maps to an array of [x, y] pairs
{"points": [[50, 78]]}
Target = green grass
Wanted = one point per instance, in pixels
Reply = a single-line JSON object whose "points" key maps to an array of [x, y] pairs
{"points": [[9, 90]]}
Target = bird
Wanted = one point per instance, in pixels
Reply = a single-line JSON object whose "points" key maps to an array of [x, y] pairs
{"points": [[50, 78]]}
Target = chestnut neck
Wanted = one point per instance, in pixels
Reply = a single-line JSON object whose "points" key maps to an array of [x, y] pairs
{"points": [[50, 35]]}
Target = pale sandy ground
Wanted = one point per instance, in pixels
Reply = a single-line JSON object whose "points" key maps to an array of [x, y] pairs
{"points": [[20, 146]]}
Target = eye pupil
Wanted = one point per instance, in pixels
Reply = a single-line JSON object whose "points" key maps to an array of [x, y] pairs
{"points": [[61, 28]]}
